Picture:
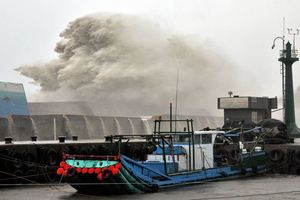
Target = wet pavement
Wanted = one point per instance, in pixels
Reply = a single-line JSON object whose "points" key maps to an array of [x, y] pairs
{"points": [[268, 187]]}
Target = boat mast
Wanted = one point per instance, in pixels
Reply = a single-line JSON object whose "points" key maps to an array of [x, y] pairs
{"points": [[171, 118], [176, 99]]}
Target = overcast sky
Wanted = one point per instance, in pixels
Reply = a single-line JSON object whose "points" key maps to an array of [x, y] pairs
{"points": [[242, 30]]}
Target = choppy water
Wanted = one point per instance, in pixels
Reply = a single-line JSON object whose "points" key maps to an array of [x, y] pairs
{"points": [[269, 187]]}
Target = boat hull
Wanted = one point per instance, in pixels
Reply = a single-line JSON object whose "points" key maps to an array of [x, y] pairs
{"points": [[127, 176]]}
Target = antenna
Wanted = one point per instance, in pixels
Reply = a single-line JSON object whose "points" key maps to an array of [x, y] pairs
{"points": [[294, 35], [283, 32], [283, 70]]}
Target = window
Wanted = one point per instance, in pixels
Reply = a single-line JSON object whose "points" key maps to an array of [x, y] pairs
{"points": [[197, 139], [183, 138], [254, 116], [206, 139]]}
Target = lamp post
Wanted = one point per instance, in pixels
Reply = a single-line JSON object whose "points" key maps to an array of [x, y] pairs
{"points": [[288, 56], [282, 71]]}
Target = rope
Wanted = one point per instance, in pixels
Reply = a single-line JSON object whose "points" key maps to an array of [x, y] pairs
{"points": [[27, 176], [19, 177], [12, 159]]}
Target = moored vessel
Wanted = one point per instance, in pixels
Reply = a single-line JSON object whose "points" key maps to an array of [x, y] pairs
{"points": [[172, 159]]}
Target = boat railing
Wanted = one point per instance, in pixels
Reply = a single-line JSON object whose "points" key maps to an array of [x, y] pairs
{"points": [[91, 157], [163, 139], [244, 145], [147, 137], [144, 170], [188, 131]]}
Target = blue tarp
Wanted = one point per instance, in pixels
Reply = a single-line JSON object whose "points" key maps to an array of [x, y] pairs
{"points": [[177, 150], [12, 100]]}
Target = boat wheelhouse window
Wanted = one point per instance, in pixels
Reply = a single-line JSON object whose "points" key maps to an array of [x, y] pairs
{"points": [[183, 138], [206, 139], [197, 139]]}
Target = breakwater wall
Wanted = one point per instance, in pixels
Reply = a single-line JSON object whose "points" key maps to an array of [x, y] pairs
{"points": [[49, 127]]}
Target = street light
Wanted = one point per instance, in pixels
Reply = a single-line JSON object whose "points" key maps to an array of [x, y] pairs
{"points": [[282, 38], [282, 73]]}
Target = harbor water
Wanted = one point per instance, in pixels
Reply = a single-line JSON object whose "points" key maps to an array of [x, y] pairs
{"points": [[273, 187]]}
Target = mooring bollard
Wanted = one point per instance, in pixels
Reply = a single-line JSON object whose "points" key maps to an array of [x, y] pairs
{"points": [[61, 139], [8, 140], [74, 137], [33, 138]]}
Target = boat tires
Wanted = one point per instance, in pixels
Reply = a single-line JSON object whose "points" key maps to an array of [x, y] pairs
{"points": [[18, 177], [71, 172], [17, 160], [155, 188], [243, 171], [51, 157], [3, 158], [297, 157], [30, 159], [233, 155], [295, 170], [50, 174], [222, 153], [254, 169], [84, 151], [106, 174], [276, 155], [136, 154], [31, 174], [93, 150]]}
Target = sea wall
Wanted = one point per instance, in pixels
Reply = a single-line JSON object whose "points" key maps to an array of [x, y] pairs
{"points": [[49, 127]]}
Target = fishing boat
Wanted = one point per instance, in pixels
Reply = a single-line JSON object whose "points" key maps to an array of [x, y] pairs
{"points": [[170, 159]]}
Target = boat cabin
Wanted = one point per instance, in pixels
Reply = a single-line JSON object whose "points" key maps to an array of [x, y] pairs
{"points": [[188, 153]]}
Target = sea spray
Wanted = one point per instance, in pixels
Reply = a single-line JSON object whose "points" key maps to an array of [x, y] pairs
{"points": [[126, 65]]}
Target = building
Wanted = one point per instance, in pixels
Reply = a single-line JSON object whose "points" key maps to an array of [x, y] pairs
{"points": [[12, 99], [249, 110]]}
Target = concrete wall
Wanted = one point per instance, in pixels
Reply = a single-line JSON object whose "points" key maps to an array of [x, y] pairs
{"points": [[46, 127]]}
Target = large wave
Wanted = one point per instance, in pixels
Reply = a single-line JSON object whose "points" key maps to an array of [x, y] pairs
{"points": [[126, 65]]}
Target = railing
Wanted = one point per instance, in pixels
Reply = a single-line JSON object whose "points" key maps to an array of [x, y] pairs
{"points": [[294, 53], [283, 53]]}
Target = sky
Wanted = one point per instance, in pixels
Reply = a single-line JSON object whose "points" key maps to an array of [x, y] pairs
{"points": [[242, 30]]}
